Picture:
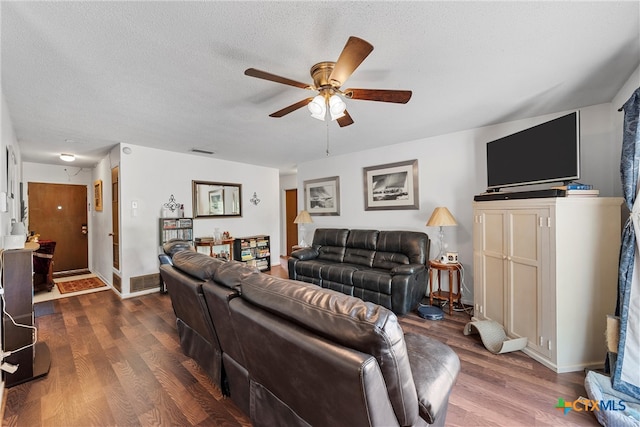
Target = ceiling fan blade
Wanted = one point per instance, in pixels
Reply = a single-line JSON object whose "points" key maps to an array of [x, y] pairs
{"points": [[345, 120], [354, 52], [252, 72], [383, 95], [291, 108]]}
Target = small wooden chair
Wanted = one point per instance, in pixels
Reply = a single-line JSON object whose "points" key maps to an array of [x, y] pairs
{"points": [[43, 266]]}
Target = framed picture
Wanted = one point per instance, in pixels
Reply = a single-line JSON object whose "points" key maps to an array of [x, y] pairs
{"points": [[97, 195], [322, 196], [391, 186], [216, 203], [11, 173]]}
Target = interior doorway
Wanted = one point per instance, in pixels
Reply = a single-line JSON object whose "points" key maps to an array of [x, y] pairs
{"points": [[291, 203], [115, 223], [58, 212]]}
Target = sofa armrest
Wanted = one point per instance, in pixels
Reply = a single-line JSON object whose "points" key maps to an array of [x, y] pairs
{"points": [[407, 269], [434, 367], [305, 253]]}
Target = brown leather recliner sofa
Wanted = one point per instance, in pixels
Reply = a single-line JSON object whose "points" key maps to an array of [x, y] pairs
{"points": [[295, 354], [384, 267]]}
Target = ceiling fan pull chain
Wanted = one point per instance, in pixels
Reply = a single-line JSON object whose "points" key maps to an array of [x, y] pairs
{"points": [[327, 123]]}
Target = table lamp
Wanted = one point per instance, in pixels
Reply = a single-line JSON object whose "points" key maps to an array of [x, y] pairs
{"points": [[302, 219], [441, 217]]}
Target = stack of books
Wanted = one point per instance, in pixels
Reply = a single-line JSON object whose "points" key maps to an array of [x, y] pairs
{"points": [[576, 189]]}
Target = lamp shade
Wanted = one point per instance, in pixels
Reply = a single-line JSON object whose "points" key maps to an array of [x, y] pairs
{"points": [[318, 107], [17, 228], [441, 217], [303, 218], [336, 107]]}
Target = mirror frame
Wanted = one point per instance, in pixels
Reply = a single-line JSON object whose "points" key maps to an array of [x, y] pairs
{"points": [[194, 190]]}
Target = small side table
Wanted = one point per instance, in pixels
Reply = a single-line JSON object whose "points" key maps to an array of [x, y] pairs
{"points": [[451, 295], [210, 243]]}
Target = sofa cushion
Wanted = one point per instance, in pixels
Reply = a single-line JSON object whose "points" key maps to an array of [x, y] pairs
{"points": [[361, 247], [412, 244], [340, 273], [232, 273], [435, 367], [330, 243], [331, 253], [311, 268], [305, 253], [174, 246], [349, 321], [359, 256], [330, 237], [196, 264], [389, 260], [373, 280], [362, 239]]}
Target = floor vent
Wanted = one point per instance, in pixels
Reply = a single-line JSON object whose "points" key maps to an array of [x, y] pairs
{"points": [[117, 282], [141, 283]]}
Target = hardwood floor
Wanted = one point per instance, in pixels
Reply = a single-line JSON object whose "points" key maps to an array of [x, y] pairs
{"points": [[118, 362]]}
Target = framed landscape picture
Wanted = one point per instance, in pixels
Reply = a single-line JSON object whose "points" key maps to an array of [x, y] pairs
{"points": [[322, 196], [97, 195], [391, 186]]}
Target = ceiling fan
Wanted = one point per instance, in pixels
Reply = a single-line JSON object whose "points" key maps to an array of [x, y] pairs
{"points": [[328, 78]]}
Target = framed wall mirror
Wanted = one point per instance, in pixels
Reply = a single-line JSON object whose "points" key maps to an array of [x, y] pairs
{"points": [[216, 199]]}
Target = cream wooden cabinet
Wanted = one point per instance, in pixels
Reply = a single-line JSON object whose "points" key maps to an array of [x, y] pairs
{"points": [[547, 269]]}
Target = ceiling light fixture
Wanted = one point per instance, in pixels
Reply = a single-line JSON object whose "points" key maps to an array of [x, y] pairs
{"points": [[317, 107], [67, 157], [322, 103], [336, 107]]}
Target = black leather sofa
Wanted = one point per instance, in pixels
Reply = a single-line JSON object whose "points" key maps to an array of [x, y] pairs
{"points": [[290, 353], [384, 267]]}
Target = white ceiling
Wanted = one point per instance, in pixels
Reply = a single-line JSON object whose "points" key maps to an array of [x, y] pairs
{"points": [[80, 77]]}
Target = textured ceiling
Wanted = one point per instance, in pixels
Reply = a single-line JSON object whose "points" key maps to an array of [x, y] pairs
{"points": [[82, 76]]}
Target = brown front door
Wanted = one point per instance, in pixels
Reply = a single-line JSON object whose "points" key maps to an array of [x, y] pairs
{"points": [[291, 197], [58, 212]]}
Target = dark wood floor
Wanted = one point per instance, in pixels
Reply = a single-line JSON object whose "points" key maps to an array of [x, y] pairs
{"points": [[118, 362]]}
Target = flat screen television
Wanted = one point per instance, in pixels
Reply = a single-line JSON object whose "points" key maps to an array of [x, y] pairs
{"points": [[548, 152]]}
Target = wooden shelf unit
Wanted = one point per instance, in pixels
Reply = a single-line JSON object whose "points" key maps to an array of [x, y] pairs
{"points": [[208, 246], [176, 228], [32, 359], [253, 250]]}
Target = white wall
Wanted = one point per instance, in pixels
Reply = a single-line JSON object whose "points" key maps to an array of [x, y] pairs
{"points": [[452, 169], [9, 139], [150, 176]]}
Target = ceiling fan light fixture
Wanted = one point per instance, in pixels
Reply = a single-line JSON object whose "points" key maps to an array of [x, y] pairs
{"points": [[328, 78], [317, 107], [336, 107], [67, 157]]}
